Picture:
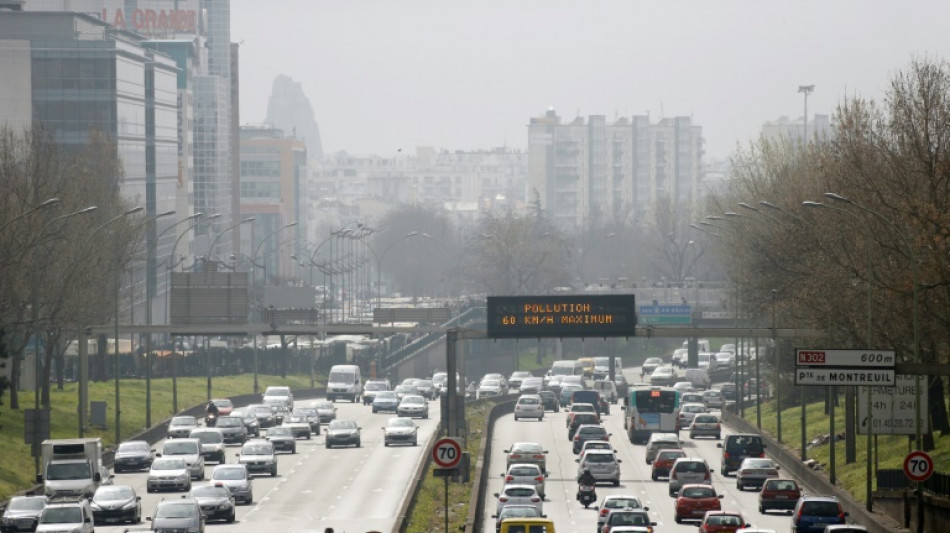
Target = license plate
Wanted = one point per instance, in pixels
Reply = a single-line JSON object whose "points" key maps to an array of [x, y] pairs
{"points": [[781, 497]]}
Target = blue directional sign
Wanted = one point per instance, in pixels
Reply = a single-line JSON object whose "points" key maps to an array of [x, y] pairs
{"points": [[665, 314]]}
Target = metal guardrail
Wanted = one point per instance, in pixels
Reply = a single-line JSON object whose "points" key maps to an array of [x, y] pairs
{"points": [[894, 479], [410, 350]]}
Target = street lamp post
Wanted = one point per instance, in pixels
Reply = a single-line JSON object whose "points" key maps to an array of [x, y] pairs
{"points": [[225, 230], [379, 260], [264, 240], [806, 90]]}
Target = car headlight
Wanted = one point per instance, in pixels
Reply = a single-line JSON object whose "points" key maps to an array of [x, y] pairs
{"points": [[183, 475], [129, 505], [223, 507]]}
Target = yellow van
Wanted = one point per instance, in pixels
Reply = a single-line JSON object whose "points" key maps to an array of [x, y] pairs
{"points": [[526, 525], [588, 364]]}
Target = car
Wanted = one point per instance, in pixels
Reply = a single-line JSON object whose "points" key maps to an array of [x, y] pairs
{"points": [[579, 408], [713, 399], [489, 388], [567, 392], [223, 405], [549, 401], [756, 530], [780, 494], [602, 464], [400, 430], [693, 500], [116, 503], [573, 380], [373, 386], [426, 388], [529, 406], [699, 377], [516, 511], [553, 383], [313, 418], [133, 455], [649, 365], [623, 388], [581, 419], [212, 443], [251, 423], [705, 425], [587, 432], [692, 397], [737, 447], [688, 411], [684, 386], [812, 513], [660, 441], [627, 517], [71, 516], [680, 357], [514, 381], [279, 409], [664, 375], [707, 361], [179, 427], [518, 495], [406, 390], [216, 502], [386, 401], [232, 429], [595, 445], [168, 473], [526, 452], [722, 522], [22, 513], [237, 479], [594, 398], [663, 462], [607, 390], [298, 424], [178, 515], [531, 385], [258, 456], [616, 501], [413, 405], [525, 474], [265, 415], [753, 471], [282, 438], [343, 433], [728, 391], [190, 451], [280, 393], [500, 378], [688, 470]]}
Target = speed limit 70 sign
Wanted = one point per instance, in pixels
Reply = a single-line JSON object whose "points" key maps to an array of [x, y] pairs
{"points": [[918, 466], [447, 453]]}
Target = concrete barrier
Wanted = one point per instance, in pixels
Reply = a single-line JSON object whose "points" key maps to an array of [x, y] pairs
{"points": [[476, 505], [816, 480]]}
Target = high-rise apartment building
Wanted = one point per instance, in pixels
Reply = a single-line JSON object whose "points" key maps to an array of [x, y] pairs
{"points": [[589, 172]]}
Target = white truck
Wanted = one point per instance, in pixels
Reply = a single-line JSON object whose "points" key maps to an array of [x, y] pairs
{"points": [[344, 381], [71, 467]]}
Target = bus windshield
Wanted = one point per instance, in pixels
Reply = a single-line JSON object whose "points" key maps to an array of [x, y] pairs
{"points": [[652, 409]]}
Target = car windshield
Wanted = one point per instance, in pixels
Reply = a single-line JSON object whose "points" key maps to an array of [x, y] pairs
{"points": [[424, 383], [490, 383], [706, 419], [413, 400], [279, 432], [588, 432], [599, 458], [263, 410], [27, 504], [277, 391], [519, 492], [223, 404], [305, 411], [175, 510], [583, 408], [386, 395], [627, 519], [406, 389], [179, 448], [297, 419], [61, 515], [724, 520], [596, 445], [230, 472], [690, 466], [528, 401], [169, 464], [68, 471], [518, 511], [820, 508], [526, 470], [622, 503], [526, 448], [757, 463], [374, 386], [229, 422], [780, 484], [133, 446], [113, 492], [401, 423], [323, 406], [257, 449], [342, 424], [699, 492], [208, 437], [183, 421], [210, 491]]}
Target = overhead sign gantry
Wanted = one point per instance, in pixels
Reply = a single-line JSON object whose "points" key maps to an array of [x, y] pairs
{"points": [[602, 315]]}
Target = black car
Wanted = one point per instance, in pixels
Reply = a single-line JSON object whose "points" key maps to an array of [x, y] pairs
{"points": [[232, 429], [251, 425], [22, 513], [215, 501], [116, 503], [178, 515], [282, 438], [133, 455], [343, 433], [550, 400]]}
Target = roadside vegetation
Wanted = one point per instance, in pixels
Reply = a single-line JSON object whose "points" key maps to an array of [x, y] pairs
{"points": [[16, 466]]}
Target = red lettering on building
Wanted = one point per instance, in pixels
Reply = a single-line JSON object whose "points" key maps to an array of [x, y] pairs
{"points": [[150, 21]]}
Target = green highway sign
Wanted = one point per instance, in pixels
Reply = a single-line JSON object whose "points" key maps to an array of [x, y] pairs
{"points": [[664, 320]]}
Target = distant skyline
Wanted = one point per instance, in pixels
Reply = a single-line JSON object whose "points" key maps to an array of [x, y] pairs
{"points": [[383, 76]]}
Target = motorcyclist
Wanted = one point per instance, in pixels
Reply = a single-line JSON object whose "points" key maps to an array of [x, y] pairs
{"points": [[211, 414], [586, 479]]}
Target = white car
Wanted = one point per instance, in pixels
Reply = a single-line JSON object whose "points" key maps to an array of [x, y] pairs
{"points": [[413, 405], [519, 495], [688, 412], [531, 385], [490, 387], [529, 406], [602, 464], [684, 386], [237, 480], [74, 516], [168, 473], [526, 474], [616, 501], [400, 431], [258, 456]]}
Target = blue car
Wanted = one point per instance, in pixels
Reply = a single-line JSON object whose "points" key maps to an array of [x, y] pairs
{"points": [[385, 400], [813, 513]]}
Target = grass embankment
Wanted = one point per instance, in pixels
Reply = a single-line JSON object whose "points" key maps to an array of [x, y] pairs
{"points": [[16, 463], [852, 477]]}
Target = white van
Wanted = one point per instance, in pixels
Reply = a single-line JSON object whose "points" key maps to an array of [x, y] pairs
{"points": [[699, 377], [344, 381], [702, 343], [602, 367], [566, 367]]}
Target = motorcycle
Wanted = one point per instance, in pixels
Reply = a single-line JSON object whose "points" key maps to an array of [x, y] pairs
{"points": [[586, 495], [210, 419]]}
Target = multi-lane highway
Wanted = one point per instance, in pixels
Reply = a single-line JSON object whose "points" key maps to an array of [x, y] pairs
{"points": [[352, 489]]}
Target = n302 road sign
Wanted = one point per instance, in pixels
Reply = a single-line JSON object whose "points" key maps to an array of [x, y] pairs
{"points": [[446, 453], [848, 358], [918, 466]]}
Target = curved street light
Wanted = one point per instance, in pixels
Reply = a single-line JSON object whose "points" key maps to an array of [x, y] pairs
{"points": [[379, 260], [225, 230]]}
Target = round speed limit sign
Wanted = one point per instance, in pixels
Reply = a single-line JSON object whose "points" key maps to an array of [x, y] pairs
{"points": [[918, 466], [446, 453]]}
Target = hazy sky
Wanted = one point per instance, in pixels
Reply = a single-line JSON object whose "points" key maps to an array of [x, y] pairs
{"points": [[384, 75]]}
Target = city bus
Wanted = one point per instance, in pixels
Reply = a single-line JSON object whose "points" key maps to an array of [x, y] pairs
{"points": [[651, 409]]}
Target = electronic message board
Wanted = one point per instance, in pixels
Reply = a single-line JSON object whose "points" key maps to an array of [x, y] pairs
{"points": [[513, 317]]}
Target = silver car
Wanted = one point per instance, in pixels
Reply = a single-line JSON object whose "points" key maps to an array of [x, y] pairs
{"points": [[180, 427], [258, 456], [385, 400], [602, 464], [75, 517], [525, 474], [687, 470], [400, 431], [753, 471], [519, 495], [689, 411], [237, 479], [342, 433], [22, 513], [190, 451], [413, 406], [212, 443], [232, 428], [326, 411], [168, 473], [215, 501]]}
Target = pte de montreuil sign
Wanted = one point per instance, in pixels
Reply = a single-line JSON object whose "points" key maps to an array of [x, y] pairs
{"points": [[579, 316]]}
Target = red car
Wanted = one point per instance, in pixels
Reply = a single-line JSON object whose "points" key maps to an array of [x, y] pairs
{"points": [[694, 501], [664, 461], [723, 522], [779, 494]]}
